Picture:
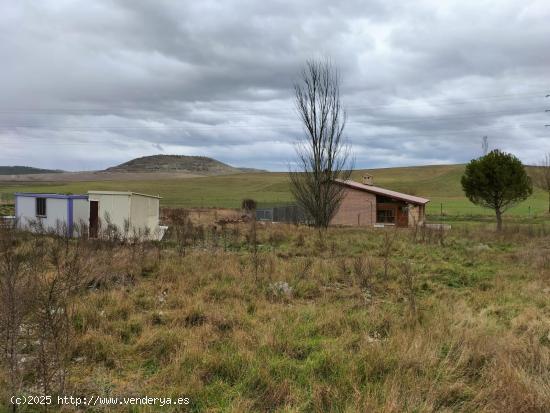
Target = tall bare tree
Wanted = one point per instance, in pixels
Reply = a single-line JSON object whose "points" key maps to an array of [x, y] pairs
{"points": [[542, 176], [323, 155]]}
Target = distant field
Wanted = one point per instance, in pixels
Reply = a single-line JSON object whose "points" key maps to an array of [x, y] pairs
{"points": [[441, 184]]}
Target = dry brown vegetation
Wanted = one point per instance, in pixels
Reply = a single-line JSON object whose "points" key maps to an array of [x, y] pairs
{"points": [[275, 321], [202, 216]]}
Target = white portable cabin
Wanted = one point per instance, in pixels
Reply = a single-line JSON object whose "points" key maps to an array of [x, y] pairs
{"points": [[132, 213], [51, 212]]}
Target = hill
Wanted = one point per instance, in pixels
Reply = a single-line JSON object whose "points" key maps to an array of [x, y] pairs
{"points": [[200, 165], [439, 183], [25, 170]]}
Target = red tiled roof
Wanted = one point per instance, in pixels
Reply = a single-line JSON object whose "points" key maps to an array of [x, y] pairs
{"points": [[384, 192]]}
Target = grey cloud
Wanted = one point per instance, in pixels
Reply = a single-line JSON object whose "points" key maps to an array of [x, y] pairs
{"points": [[96, 83]]}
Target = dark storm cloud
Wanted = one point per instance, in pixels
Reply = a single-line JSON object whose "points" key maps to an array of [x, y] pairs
{"points": [[88, 84]]}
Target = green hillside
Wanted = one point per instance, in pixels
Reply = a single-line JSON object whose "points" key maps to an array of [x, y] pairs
{"points": [[200, 165], [440, 183], [25, 170]]}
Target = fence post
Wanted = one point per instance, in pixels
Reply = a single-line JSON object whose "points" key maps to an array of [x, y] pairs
{"points": [[441, 210]]}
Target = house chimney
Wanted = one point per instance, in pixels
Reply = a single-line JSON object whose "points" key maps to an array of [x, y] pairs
{"points": [[368, 179]]}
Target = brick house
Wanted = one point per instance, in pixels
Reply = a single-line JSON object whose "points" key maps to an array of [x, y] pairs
{"points": [[367, 205]]}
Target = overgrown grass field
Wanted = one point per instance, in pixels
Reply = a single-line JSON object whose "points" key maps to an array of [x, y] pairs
{"points": [[274, 319], [441, 184]]}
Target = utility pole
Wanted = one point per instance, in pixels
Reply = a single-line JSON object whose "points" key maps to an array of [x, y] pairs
{"points": [[485, 145], [547, 110]]}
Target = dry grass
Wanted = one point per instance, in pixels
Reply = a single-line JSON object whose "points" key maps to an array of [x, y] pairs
{"points": [[322, 329]]}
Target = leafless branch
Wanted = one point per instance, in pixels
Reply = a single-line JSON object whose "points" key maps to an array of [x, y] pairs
{"points": [[323, 155]]}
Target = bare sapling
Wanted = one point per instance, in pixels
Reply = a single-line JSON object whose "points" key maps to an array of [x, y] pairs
{"points": [[214, 237], [249, 207], [414, 230], [408, 282], [53, 297], [343, 268], [253, 243], [362, 269], [441, 235], [158, 246], [387, 248], [182, 229], [224, 233], [427, 235], [110, 232], [139, 245], [18, 264], [304, 269]]}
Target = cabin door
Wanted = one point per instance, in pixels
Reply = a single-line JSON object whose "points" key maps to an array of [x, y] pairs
{"points": [[402, 216], [94, 218]]}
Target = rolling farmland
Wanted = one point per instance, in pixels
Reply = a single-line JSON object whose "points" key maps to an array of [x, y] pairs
{"points": [[439, 183]]}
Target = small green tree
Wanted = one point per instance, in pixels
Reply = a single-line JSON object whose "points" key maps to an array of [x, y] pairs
{"points": [[498, 181]]}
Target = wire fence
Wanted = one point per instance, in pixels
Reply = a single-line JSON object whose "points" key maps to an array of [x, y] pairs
{"points": [[283, 213], [442, 209], [280, 207]]}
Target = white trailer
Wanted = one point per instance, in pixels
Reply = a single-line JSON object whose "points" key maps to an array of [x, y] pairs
{"points": [[131, 213], [51, 212]]}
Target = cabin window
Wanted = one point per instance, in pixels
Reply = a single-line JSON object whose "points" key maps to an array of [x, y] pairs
{"points": [[385, 216], [40, 207]]}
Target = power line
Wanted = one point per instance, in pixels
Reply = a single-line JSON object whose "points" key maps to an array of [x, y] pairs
{"points": [[547, 110]]}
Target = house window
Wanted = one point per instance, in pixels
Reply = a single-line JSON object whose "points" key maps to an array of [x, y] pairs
{"points": [[385, 216], [40, 207]]}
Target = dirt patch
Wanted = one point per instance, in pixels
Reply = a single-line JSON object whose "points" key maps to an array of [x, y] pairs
{"points": [[205, 216]]}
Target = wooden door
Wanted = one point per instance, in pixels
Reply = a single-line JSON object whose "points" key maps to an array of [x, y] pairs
{"points": [[402, 217], [94, 218]]}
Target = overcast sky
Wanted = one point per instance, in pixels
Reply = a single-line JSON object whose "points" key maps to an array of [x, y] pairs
{"points": [[89, 84]]}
